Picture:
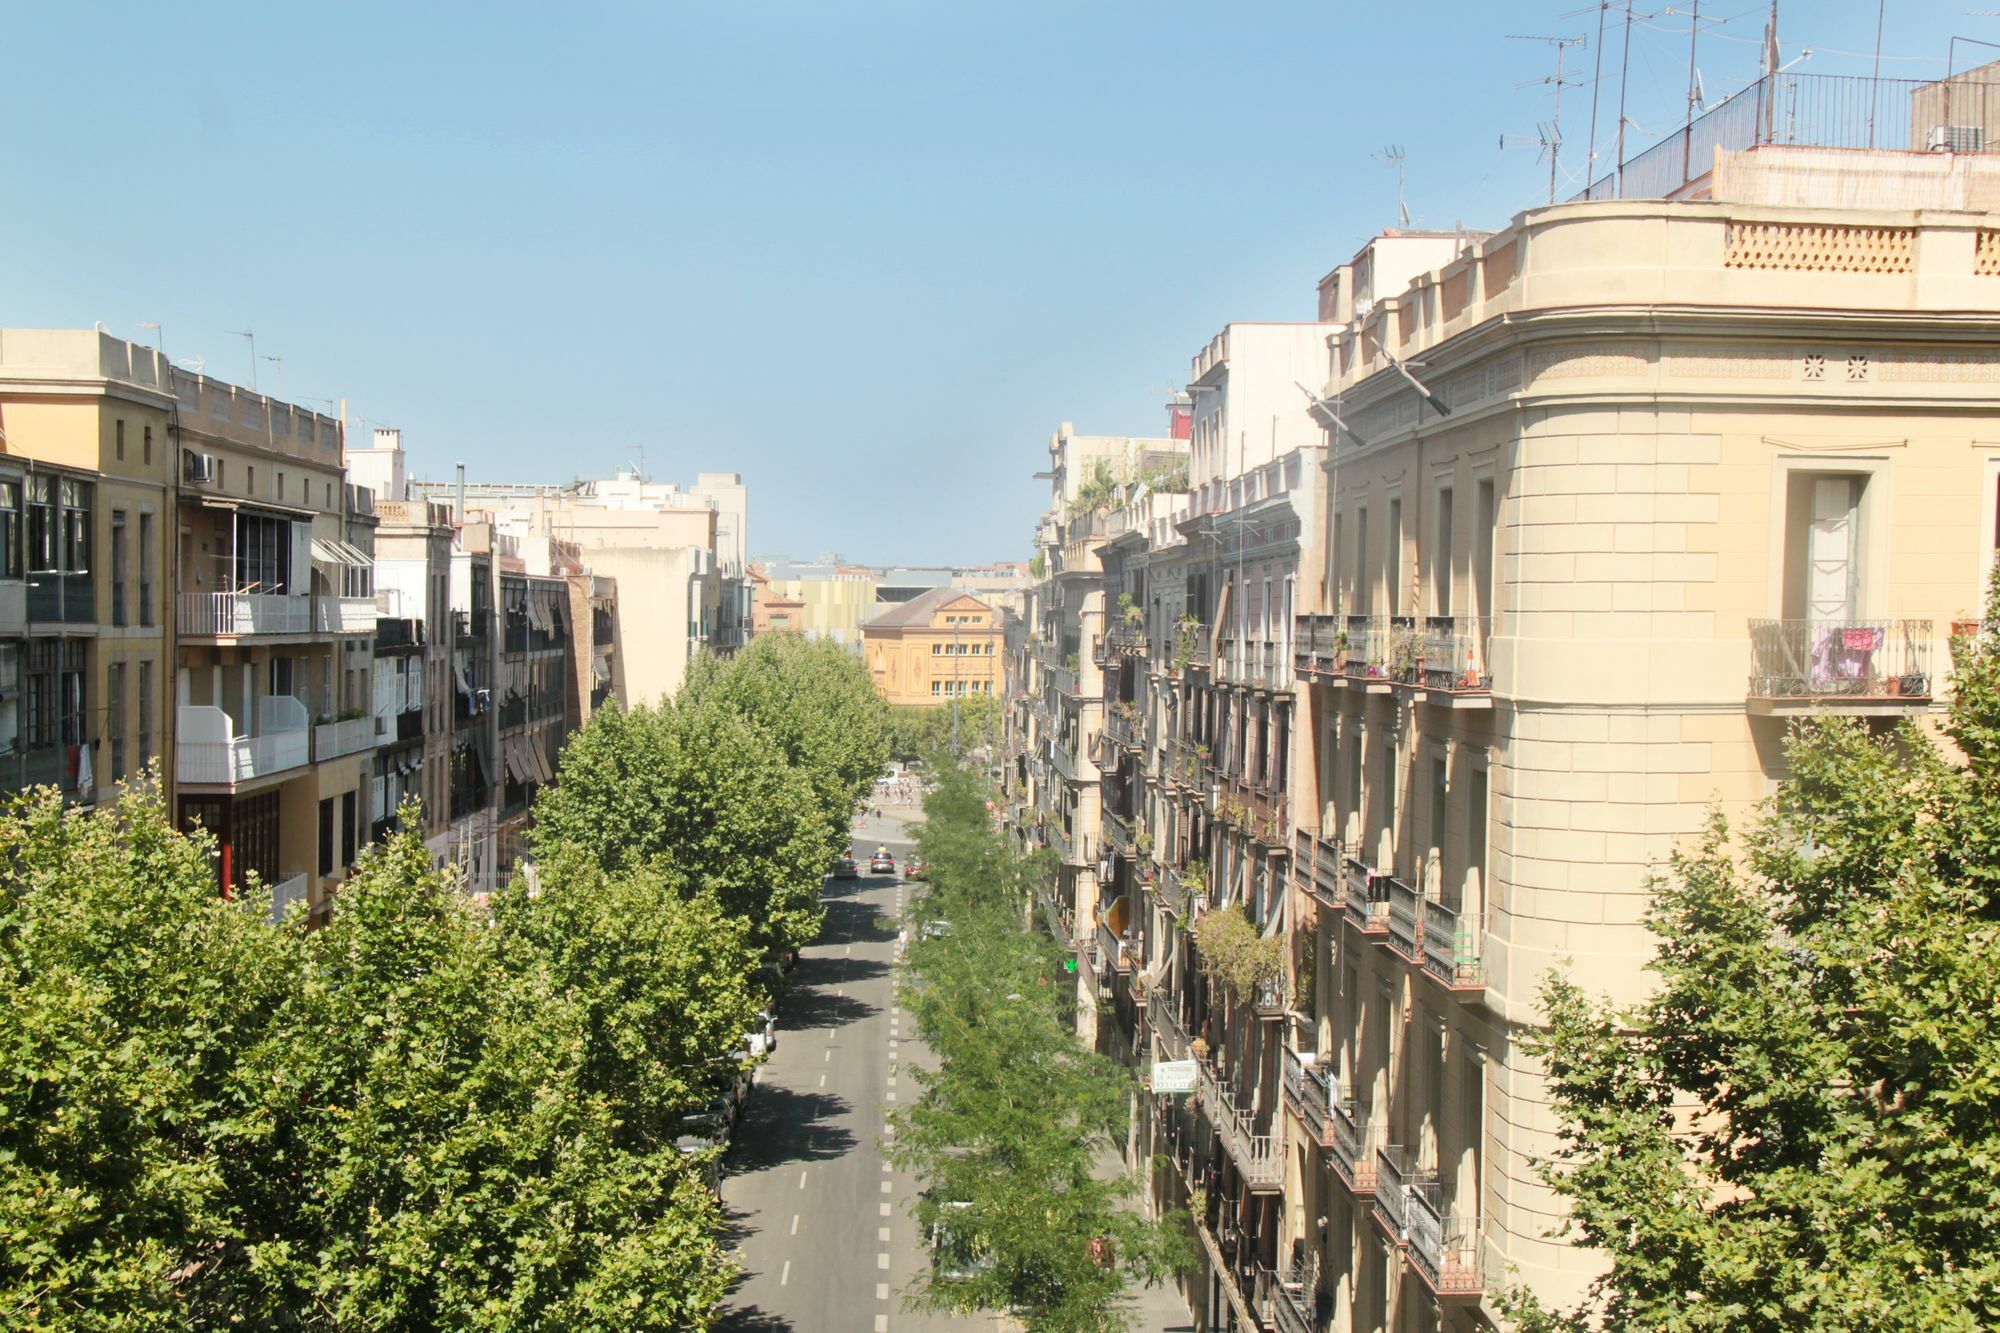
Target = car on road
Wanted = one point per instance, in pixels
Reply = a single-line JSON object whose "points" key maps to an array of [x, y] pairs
{"points": [[764, 1037], [845, 868], [882, 863], [956, 1253], [914, 868], [936, 930]]}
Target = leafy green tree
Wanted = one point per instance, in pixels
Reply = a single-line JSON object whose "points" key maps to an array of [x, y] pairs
{"points": [[706, 800], [816, 701], [919, 731], [1800, 1129], [1008, 1132], [134, 993], [436, 1152]]}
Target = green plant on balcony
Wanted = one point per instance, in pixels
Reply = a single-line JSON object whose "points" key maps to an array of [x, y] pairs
{"points": [[1129, 609], [1144, 842], [1235, 956], [1037, 566], [1194, 873], [1127, 710], [1070, 662]]}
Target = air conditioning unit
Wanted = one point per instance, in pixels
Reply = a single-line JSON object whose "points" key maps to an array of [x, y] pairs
{"points": [[197, 469], [1956, 139]]}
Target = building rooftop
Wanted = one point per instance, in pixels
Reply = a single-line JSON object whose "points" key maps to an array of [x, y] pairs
{"points": [[919, 609]]}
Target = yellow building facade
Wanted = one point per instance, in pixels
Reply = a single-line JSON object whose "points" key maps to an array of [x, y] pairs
{"points": [[939, 645]]}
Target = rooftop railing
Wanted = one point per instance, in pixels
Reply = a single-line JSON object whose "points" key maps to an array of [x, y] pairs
{"points": [[1836, 663]]}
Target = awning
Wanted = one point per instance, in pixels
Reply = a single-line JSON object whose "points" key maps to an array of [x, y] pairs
{"points": [[339, 553], [485, 763], [464, 686], [601, 670], [258, 506], [517, 767], [538, 758]]}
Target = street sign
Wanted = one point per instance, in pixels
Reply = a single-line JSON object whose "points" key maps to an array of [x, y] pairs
{"points": [[1173, 1076]]}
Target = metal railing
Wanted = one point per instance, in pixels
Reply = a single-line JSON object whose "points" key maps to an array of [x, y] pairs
{"points": [[334, 739], [1120, 727], [1366, 656], [1813, 110], [1110, 949], [1395, 1169], [1256, 1155], [1118, 833], [1317, 642], [1308, 1091], [209, 751], [242, 613], [1286, 1301], [1840, 659], [1404, 918], [1451, 948], [1191, 645], [1173, 1037], [1171, 890], [1444, 1246], [1356, 1136], [1366, 899], [1322, 859], [1129, 638], [1452, 654]]}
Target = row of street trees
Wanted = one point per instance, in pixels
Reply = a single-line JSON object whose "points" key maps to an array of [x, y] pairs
{"points": [[918, 731], [422, 1115], [1010, 1132]]}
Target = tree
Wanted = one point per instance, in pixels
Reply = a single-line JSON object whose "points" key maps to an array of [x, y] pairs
{"points": [[918, 731], [1800, 1128], [706, 800], [135, 991], [1009, 1130]]}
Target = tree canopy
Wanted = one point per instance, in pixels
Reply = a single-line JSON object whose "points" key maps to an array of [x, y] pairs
{"points": [[1010, 1129], [1800, 1128]]}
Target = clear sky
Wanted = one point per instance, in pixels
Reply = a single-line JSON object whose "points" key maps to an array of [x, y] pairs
{"points": [[867, 254]]}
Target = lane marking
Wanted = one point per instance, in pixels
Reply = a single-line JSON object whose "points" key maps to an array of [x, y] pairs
{"points": [[881, 1323], [888, 1167], [885, 1209], [888, 1185], [785, 1274], [892, 1096], [822, 1080], [882, 1234], [829, 1056], [881, 1261], [795, 1224], [881, 1291], [802, 1180]]}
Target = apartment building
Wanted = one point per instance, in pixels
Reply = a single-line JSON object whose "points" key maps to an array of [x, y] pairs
{"points": [[86, 515], [532, 695], [679, 548], [936, 647], [471, 839], [1669, 474]]}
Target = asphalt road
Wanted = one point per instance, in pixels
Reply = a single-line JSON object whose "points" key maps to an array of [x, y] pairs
{"points": [[821, 1222]]}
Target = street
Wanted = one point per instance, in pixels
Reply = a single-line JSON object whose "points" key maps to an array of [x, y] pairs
{"points": [[821, 1223]]}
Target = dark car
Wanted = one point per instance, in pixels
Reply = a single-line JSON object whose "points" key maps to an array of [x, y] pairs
{"points": [[914, 868], [882, 863], [845, 868]]}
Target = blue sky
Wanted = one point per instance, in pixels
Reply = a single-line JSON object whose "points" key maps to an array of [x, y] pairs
{"points": [[868, 254]]}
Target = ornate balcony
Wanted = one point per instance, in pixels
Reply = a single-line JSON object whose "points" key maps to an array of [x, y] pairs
{"points": [[1256, 1155], [1122, 726], [1307, 1093], [1102, 653], [1118, 833], [1167, 1023], [1859, 667], [1171, 890], [1453, 666], [1396, 1170], [1129, 639], [1356, 1136], [1287, 1301], [1405, 917], [1366, 898], [1317, 864], [1366, 660], [1444, 1246], [1451, 950], [1318, 644]]}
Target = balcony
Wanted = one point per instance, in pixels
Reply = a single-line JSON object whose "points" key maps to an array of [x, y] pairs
{"points": [[344, 615], [1356, 1136], [1287, 1301], [239, 614], [291, 889], [1307, 1092], [1366, 661], [210, 752], [1396, 1170], [1102, 653], [1118, 832], [1129, 639], [1190, 646], [331, 740], [1451, 950], [397, 632], [1444, 1246], [1858, 667], [1057, 915], [1317, 645], [1404, 919], [1173, 1037], [1171, 890], [1121, 726], [1317, 862], [1117, 954], [1256, 1155], [1452, 663], [1366, 897]]}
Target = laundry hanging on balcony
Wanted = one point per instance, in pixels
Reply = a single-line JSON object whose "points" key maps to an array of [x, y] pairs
{"points": [[1845, 653]]}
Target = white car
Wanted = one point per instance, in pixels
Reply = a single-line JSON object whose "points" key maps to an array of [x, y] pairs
{"points": [[764, 1039]]}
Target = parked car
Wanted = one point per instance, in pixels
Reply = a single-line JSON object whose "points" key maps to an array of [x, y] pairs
{"points": [[914, 868], [882, 863], [956, 1254], [697, 1146], [845, 868], [763, 1038], [936, 930]]}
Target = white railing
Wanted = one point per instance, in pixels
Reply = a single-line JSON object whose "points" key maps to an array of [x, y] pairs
{"points": [[210, 751], [246, 613], [291, 889], [334, 739], [344, 615]]}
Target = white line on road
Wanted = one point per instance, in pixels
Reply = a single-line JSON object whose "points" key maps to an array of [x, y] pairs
{"points": [[885, 1208], [881, 1261], [829, 1055], [891, 1096], [785, 1274], [802, 1180], [795, 1224], [882, 1234], [881, 1323], [822, 1080], [888, 1185], [881, 1291]]}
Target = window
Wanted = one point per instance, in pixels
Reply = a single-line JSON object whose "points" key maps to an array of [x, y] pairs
{"points": [[348, 805], [1440, 574], [42, 523], [1483, 535], [937, 687], [281, 486], [1823, 546], [147, 456], [10, 697], [118, 564], [1392, 567], [120, 436], [54, 693], [1364, 584], [76, 526], [145, 755], [114, 720], [1440, 810], [936, 649], [10, 529], [326, 836], [146, 569]]}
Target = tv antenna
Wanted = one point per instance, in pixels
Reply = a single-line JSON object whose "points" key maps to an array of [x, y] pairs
{"points": [[246, 333], [1392, 154], [1551, 133]]}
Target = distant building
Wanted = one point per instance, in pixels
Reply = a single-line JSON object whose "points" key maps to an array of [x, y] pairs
{"points": [[939, 645]]}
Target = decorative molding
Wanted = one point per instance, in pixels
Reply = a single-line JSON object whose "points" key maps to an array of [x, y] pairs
{"points": [[1561, 363], [1796, 247]]}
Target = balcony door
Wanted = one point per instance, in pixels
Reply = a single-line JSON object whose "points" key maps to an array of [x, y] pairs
{"points": [[1823, 555]]}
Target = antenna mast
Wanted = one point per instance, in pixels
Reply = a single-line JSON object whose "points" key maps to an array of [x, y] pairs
{"points": [[1555, 135]]}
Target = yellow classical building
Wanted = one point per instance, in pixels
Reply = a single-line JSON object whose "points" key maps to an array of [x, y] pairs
{"points": [[938, 645]]}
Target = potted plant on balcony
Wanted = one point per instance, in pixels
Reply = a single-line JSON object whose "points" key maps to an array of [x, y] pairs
{"points": [[1129, 610]]}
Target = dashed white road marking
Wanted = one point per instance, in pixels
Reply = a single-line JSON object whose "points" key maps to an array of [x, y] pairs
{"points": [[882, 1261], [802, 1180], [888, 1185], [882, 1234], [881, 1291], [885, 1208], [822, 1080], [829, 1055], [795, 1224], [881, 1323], [785, 1274], [891, 1096]]}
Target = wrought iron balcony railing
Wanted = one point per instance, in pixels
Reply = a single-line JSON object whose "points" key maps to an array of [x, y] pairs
{"points": [[1366, 657], [1318, 643], [1287, 1301], [1444, 1246], [1452, 655], [1366, 898], [1308, 1094], [1404, 919], [1451, 949], [1356, 1136], [1840, 665], [1257, 1157], [1396, 1169]]}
